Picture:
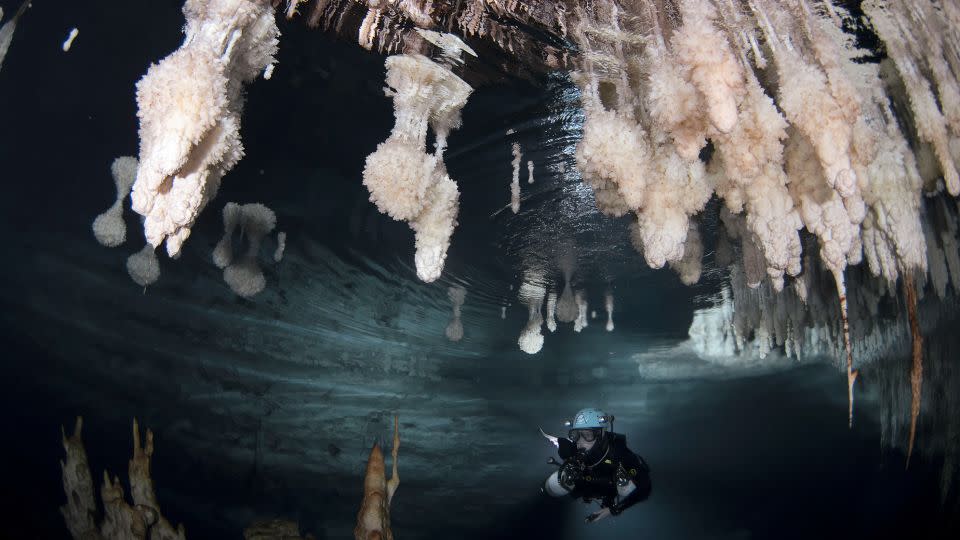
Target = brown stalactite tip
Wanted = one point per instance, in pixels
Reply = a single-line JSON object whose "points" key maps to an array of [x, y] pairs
{"points": [[916, 370]]}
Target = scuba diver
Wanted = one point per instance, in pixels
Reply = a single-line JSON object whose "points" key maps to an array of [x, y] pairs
{"points": [[597, 466]]}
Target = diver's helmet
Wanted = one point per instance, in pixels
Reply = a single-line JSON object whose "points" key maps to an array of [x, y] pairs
{"points": [[590, 424]]}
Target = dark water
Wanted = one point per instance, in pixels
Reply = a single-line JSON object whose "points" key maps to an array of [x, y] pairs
{"points": [[768, 456]]}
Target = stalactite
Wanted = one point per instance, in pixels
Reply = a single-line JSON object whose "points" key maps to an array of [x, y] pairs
{"points": [[109, 227], [531, 294], [404, 180], [143, 266], [515, 181], [916, 371], [373, 519], [848, 348], [457, 296], [9, 27], [190, 105]]}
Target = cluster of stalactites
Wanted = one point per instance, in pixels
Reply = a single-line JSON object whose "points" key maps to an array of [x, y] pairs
{"points": [[110, 229], [121, 519], [391, 26], [255, 221], [803, 321], [812, 143], [565, 303], [141, 520]]}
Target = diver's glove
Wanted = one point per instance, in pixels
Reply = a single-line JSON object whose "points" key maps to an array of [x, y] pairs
{"points": [[570, 473], [599, 514]]}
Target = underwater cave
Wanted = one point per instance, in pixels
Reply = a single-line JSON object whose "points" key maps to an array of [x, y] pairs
{"points": [[322, 268]]}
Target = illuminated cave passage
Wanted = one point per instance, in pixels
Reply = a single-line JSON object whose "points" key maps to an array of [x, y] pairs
{"points": [[264, 232]]}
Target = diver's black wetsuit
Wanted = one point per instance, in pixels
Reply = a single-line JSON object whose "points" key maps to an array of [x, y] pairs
{"points": [[607, 463]]}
